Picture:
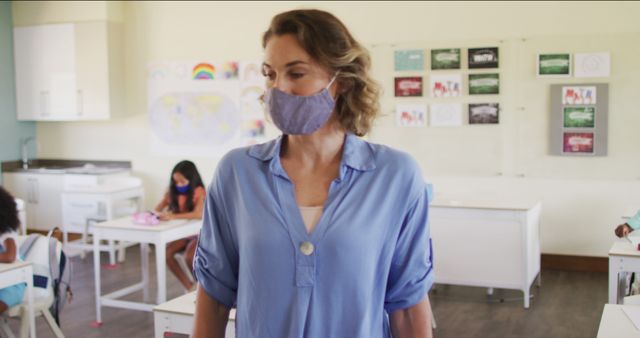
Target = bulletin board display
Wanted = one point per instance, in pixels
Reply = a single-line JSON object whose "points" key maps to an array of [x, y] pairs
{"points": [[579, 119]]}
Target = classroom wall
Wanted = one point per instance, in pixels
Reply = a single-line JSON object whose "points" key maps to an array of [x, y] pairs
{"points": [[582, 197], [11, 131]]}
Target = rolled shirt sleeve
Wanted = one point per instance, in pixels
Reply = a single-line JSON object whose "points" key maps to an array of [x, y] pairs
{"points": [[411, 274], [216, 260]]}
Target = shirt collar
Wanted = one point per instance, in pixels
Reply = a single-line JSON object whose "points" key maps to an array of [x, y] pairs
{"points": [[357, 153]]}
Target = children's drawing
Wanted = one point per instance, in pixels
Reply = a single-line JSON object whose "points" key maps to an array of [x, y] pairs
{"points": [[446, 85]]}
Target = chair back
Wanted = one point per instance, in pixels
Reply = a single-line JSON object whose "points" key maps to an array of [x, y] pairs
{"points": [[38, 255]]}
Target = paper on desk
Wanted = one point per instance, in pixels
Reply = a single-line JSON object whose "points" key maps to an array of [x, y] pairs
{"points": [[633, 312]]}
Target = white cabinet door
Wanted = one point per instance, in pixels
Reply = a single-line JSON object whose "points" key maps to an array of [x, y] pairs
{"points": [[21, 185], [30, 72], [46, 86], [50, 188], [42, 194], [92, 65]]}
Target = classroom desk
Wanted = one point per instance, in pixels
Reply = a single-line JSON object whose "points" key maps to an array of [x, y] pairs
{"points": [[123, 229], [615, 323], [623, 258], [177, 314], [489, 243], [19, 272]]}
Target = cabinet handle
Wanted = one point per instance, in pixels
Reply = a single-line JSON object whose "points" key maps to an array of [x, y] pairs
{"points": [[36, 191], [80, 102]]}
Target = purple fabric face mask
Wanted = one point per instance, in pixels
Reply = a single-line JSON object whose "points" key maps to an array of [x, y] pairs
{"points": [[299, 115]]}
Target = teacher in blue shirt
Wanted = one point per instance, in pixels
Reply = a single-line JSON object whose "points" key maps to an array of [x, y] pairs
{"points": [[318, 233]]}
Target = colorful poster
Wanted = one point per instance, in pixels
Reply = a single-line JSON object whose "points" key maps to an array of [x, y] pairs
{"points": [[579, 95], [577, 143], [409, 60], [579, 117], [411, 115], [483, 57], [446, 85], [484, 113], [556, 65], [408, 86], [445, 115], [204, 108], [592, 64], [484, 84], [445, 58]]}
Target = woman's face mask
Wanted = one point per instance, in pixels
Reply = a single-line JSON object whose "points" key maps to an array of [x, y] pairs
{"points": [[299, 115]]}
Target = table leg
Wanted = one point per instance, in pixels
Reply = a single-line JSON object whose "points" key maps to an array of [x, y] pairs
{"points": [[613, 281], [32, 319], [96, 274], [159, 323], [144, 260], [112, 252], [161, 268]]}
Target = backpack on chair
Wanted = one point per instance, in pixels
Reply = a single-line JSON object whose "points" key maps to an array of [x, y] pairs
{"points": [[59, 270]]}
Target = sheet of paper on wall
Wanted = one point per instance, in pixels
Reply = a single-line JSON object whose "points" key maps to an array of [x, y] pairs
{"points": [[573, 95], [592, 64], [445, 115], [633, 312], [446, 85], [411, 115], [407, 60]]}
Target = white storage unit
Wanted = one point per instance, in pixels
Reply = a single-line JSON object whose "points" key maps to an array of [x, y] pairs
{"points": [[70, 71], [489, 243], [41, 194]]}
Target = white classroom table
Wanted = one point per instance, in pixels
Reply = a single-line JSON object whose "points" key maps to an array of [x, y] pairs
{"points": [[623, 258], [486, 242], [123, 229], [177, 314], [615, 323], [19, 272]]}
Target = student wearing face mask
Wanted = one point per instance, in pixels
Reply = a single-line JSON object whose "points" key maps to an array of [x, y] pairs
{"points": [[317, 233], [184, 200]]}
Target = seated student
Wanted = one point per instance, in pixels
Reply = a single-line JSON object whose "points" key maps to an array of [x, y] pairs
{"points": [[11, 295], [632, 224], [185, 200]]}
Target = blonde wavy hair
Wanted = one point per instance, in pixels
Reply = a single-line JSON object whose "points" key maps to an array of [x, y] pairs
{"points": [[329, 43]]}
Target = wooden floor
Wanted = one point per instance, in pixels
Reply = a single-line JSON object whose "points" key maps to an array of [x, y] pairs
{"points": [[568, 304]]}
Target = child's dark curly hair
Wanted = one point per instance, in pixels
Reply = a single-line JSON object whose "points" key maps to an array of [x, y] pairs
{"points": [[8, 212]]}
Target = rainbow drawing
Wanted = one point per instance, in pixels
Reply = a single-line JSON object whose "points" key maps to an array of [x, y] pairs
{"points": [[204, 71]]}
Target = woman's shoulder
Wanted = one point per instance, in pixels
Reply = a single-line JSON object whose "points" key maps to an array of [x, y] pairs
{"points": [[394, 159], [248, 155]]}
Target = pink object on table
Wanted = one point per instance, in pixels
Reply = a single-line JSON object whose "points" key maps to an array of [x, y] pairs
{"points": [[145, 218]]}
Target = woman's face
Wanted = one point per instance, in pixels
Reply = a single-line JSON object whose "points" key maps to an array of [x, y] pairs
{"points": [[288, 67], [179, 179]]}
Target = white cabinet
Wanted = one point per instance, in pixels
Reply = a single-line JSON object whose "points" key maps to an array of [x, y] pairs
{"points": [[42, 194], [71, 71], [488, 243]]}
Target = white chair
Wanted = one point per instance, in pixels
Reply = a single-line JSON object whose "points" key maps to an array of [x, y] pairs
{"points": [[43, 297]]}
